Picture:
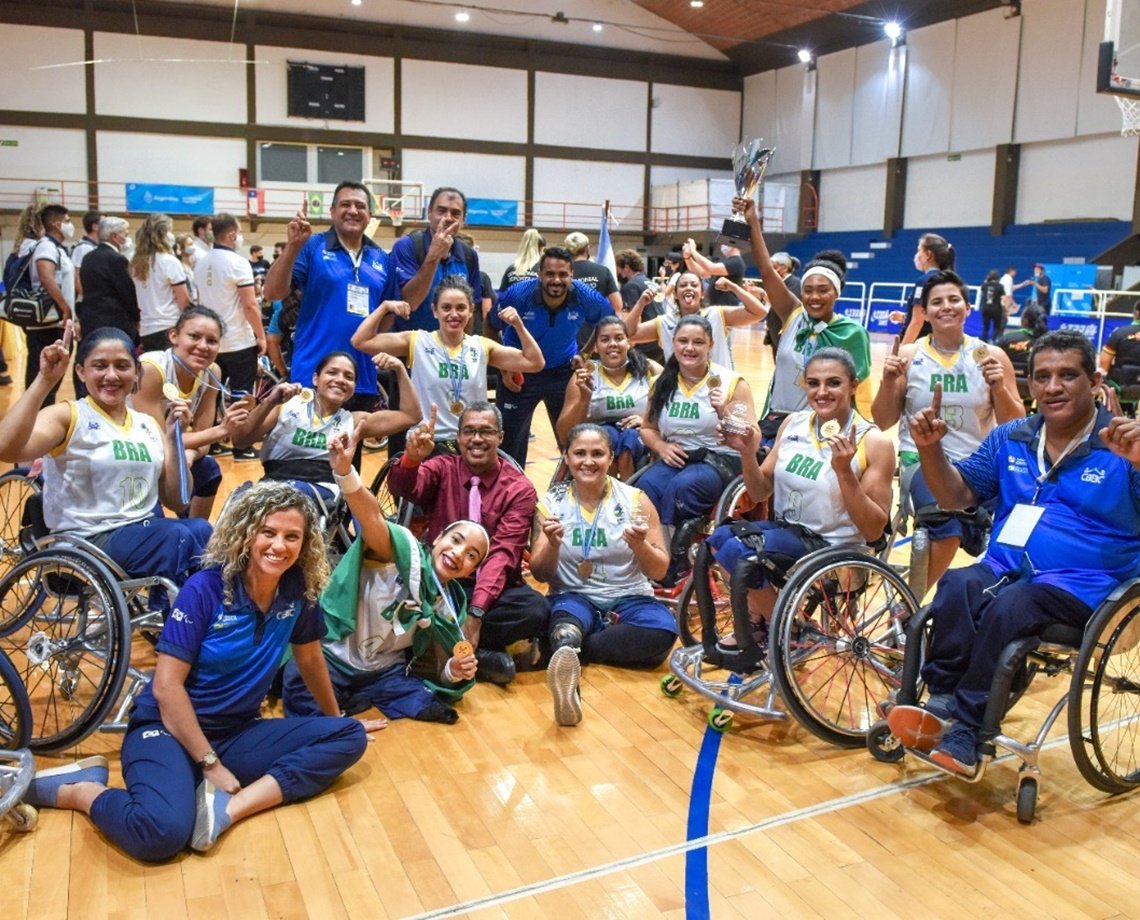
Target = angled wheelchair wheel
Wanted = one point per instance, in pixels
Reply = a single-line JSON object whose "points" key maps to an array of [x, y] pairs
{"points": [[15, 709], [838, 641], [1104, 696], [391, 507], [15, 526], [65, 627]]}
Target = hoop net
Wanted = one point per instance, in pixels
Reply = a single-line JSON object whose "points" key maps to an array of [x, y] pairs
{"points": [[1130, 113], [394, 208]]}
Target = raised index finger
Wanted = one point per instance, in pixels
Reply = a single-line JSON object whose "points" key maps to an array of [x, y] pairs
{"points": [[67, 333], [936, 403], [895, 346], [433, 416]]}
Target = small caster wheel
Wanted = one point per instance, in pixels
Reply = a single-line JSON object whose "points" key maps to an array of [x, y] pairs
{"points": [[23, 817], [1026, 798], [884, 746], [671, 686], [720, 720]]}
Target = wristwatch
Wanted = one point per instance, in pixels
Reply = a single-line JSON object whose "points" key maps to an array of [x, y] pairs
{"points": [[476, 612], [208, 760]]}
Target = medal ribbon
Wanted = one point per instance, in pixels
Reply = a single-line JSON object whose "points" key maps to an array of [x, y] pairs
{"points": [[588, 540], [1069, 448]]}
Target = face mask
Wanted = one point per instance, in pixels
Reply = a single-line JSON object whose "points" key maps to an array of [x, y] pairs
{"points": [[918, 263], [192, 257], [170, 240], [239, 242], [128, 247], [67, 229], [725, 251]]}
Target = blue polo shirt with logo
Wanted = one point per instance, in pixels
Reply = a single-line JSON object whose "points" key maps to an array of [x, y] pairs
{"points": [[1088, 539], [407, 266], [233, 649], [556, 331], [322, 272]]}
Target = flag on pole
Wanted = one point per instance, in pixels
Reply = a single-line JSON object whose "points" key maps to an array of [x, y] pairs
{"points": [[605, 247]]}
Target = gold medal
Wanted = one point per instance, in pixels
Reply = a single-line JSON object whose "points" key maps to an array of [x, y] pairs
{"points": [[585, 569], [462, 649], [800, 380], [171, 391], [456, 407], [980, 353], [829, 429], [306, 395], [714, 381]]}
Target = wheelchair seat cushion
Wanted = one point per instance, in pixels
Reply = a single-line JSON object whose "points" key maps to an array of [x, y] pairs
{"points": [[1060, 634]]}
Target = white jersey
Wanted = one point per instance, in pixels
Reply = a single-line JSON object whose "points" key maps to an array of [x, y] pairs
{"points": [[218, 275], [787, 393], [48, 250], [163, 362], [721, 351], [689, 418], [297, 447], [611, 402], [807, 488], [966, 405], [103, 475], [607, 569], [158, 310], [377, 642], [443, 376]]}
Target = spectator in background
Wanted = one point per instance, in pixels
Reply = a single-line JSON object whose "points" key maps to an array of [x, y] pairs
{"points": [[631, 273], [203, 230], [993, 312], [278, 249], [225, 285], [52, 270], [1120, 356], [109, 293], [731, 266], [1017, 343], [1042, 289], [28, 233], [1008, 286], [257, 261], [86, 244], [187, 254], [933, 254], [590, 273], [160, 282], [525, 265]]}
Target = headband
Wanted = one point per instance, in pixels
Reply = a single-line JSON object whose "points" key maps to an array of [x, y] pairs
{"points": [[826, 273]]}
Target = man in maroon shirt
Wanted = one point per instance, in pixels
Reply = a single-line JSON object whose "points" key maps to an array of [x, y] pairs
{"points": [[502, 608]]}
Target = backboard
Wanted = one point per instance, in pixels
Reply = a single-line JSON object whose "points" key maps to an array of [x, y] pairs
{"points": [[1118, 70]]}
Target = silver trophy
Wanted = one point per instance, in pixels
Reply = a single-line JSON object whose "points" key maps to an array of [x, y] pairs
{"points": [[750, 160], [735, 419]]}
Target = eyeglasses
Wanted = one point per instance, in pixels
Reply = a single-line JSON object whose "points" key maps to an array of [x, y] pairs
{"points": [[478, 432]]}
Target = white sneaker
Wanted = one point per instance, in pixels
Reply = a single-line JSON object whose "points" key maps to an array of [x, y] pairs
{"points": [[562, 677]]}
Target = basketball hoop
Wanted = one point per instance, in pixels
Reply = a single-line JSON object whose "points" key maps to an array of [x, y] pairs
{"points": [[396, 215], [1130, 112]]}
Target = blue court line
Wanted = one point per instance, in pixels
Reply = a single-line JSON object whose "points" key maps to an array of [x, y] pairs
{"points": [[700, 798]]}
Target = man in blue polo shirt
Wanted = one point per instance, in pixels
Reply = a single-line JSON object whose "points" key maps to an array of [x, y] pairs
{"points": [[342, 276], [423, 258], [553, 308], [1066, 532]]}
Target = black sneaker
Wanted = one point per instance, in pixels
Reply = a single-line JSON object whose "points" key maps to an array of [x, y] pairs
{"points": [[219, 450], [245, 453], [494, 667], [435, 711]]}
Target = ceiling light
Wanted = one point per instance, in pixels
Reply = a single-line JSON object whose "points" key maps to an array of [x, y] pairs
{"points": [[357, 2], [804, 55], [696, 4], [893, 30], [463, 16], [597, 27]]}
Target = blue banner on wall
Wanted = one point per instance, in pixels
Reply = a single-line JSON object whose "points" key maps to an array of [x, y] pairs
{"points": [[492, 212], [170, 199]]}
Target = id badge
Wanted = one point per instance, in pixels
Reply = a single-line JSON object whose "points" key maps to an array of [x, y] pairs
{"points": [[358, 299], [1019, 525]]}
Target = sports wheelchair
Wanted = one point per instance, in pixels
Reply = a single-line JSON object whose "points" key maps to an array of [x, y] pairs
{"points": [[835, 640], [16, 540], [17, 766], [1102, 701]]}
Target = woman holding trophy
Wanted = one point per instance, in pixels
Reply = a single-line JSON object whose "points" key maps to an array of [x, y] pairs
{"points": [[810, 321], [829, 477]]}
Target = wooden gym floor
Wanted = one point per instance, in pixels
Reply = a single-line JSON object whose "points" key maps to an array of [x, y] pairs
{"points": [[507, 815]]}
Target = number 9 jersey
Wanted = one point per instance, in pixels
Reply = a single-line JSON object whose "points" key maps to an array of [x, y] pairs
{"points": [[102, 475]]}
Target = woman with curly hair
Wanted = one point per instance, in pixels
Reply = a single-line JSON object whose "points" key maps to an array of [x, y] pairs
{"points": [[197, 756], [160, 282]]}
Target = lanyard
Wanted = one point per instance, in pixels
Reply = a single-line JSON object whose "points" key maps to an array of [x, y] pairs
{"points": [[1044, 478], [313, 417], [447, 603], [355, 257], [588, 539]]}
